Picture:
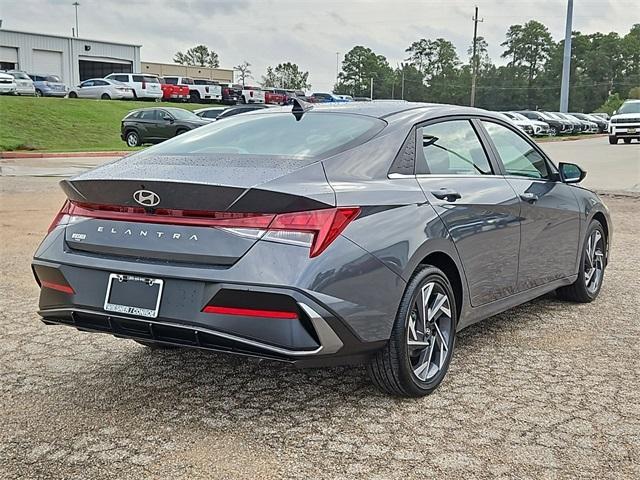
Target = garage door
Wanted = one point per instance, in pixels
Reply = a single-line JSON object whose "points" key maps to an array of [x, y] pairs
{"points": [[47, 62], [8, 58], [100, 69]]}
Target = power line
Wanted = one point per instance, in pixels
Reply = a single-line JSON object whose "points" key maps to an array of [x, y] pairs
{"points": [[474, 76]]}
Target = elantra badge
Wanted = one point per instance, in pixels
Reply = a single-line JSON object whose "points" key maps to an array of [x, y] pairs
{"points": [[146, 198]]}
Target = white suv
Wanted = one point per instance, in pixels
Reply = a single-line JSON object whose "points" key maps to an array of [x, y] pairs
{"points": [[625, 122], [199, 90], [143, 85]]}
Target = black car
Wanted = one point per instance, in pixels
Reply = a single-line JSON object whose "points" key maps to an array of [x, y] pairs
{"points": [[603, 125], [324, 234], [249, 107], [556, 125], [153, 125]]}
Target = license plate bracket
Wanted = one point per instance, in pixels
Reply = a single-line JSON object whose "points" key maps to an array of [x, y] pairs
{"points": [[133, 295]]}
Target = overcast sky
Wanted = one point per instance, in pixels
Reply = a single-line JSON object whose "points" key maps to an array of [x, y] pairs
{"points": [[307, 32]]}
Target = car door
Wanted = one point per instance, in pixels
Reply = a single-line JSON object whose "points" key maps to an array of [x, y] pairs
{"points": [[147, 124], [86, 90], [101, 87], [550, 226], [476, 203], [166, 125]]}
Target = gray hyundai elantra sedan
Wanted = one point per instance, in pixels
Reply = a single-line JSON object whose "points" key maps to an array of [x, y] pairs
{"points": [[324, 234]]}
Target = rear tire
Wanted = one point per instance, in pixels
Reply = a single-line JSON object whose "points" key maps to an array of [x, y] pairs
{"points": [[592, 265], [194, 96], [156, 346], [613, 140], [133, 139], [181, 131], [416, 359]]}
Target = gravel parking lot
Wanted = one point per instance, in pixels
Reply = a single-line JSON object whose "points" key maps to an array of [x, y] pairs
{"points": [[546, 390]]}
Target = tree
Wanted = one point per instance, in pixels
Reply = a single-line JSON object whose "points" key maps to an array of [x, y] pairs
{"points": [[482, 53], [359, 66], [199, 56], [528, 46], [286, 75], [244, 73], [433, 58]]}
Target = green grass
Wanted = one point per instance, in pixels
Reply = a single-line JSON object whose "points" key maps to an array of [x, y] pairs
{"points": [[66, 125]]}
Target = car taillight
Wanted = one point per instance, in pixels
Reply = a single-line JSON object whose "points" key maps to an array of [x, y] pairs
{"points": [[251, 93], [225, 91], [251, 312], [315, 229], [144, 84]]}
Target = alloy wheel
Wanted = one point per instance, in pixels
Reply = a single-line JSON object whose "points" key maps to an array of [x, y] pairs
{"points": [[132, 139], [429, 331], [593, 261]]}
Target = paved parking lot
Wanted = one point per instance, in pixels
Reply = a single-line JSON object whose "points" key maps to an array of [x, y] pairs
{"points": [[546, 390]]}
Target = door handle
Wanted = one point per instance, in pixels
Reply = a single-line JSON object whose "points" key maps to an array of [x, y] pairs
{"points": [[529, 197], [447, 194]]}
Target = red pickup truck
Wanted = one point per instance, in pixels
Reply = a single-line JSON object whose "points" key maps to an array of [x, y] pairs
{"points": [[275, 96], [173, 92]]}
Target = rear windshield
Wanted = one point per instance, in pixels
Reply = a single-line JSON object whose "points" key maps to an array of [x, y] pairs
{"points": [[278, 134], [53, 78]]}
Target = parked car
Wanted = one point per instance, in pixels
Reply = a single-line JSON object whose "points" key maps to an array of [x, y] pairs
{"points": [[24, 84], [576, 125], [48, 85], [323, 97], [231, 94], [144, 86], [232, 111], [348, 98], [275, 96], [210, 113], [7, 84], [602, 115], [625, 122], [524, 125], [173, 92], [589, 125], [323, 236], [539, 128], [557, 126], [103, 89], [600, 126], [361, 99], [208, 90], [154, 125], [251, 94]]}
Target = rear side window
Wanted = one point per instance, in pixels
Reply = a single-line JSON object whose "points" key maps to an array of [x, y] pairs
{"points": [[147, 115], [119, 78], [171, 81], [518, 156], [276, 134], [186, 81], [453, 148]]}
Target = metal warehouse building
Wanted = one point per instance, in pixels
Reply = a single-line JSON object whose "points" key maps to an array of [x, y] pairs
{"points": [[73, 59]]}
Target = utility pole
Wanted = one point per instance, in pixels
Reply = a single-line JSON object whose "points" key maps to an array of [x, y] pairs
{"points": [[474, 58], [566, 61], [76, 4], [337, 66], [402, 82], [371, 88]]}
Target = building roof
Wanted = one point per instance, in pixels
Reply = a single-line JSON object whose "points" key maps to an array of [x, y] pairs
{"points": [[69, 37]]}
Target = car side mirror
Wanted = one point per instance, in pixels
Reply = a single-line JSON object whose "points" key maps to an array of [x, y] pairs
{"points": [[571, 173]]}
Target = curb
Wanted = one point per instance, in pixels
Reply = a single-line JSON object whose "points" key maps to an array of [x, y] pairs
{"points": [[62, 154]]}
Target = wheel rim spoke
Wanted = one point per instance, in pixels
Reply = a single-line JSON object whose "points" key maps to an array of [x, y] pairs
{"points": [[429, 331], [594, 261]]}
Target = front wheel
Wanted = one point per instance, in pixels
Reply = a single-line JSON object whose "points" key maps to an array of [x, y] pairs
{"points": [[613, 140], [105, 96], [416, 359], [73, 95], [38, 92], [592, 264]]}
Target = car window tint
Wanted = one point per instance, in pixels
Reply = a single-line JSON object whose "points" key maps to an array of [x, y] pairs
{"points": [[100, 83], [276, 134], [147, 115], [88, 83], [138, 78], [171, 81], [518, 156], [454, 148]]}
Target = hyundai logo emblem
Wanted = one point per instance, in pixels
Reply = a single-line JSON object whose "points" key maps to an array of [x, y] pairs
{"points": [[146, 198]]}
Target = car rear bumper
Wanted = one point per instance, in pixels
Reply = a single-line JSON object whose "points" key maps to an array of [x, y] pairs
{"points": [[344, 303]]}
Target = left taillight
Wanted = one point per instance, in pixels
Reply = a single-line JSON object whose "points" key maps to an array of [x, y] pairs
{"points": [[57, 220]]}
